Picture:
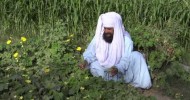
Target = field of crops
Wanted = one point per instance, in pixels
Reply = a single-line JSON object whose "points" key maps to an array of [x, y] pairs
{"points": [[42, 41]]}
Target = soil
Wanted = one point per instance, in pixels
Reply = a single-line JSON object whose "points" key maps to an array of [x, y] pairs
{"points": [[158, 94], [178, 87]]}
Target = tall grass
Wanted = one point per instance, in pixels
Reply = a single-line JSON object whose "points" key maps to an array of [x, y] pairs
{"points": [[80, 16]]}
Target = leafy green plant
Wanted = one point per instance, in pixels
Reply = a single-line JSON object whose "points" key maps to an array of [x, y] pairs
{"points": [[45, 67]]}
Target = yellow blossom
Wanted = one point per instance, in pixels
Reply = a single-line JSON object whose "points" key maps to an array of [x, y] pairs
{"points": [[23, 38], [79, 49], [8, 41], [82, 88], [21, 97], [46, 70], [15, 55], [28, 81]]}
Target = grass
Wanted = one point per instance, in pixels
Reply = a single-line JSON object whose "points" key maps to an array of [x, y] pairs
{"points": [[81, 16]]}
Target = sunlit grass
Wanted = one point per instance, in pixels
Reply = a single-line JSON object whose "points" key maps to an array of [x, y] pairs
{"points": [[80, 17]]}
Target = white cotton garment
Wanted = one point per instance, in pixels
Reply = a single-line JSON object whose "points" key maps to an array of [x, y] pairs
{"points": [[101, 55], [107, 54]]}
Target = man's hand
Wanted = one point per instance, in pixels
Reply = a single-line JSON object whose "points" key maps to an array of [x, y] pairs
{"points": [[83, 65], [113, 71]]}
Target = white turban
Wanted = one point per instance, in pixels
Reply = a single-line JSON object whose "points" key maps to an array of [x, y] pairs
{"points": [[107, 54]]}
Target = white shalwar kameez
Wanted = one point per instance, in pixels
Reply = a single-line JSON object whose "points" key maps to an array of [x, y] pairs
{"points": [[101, 56]]}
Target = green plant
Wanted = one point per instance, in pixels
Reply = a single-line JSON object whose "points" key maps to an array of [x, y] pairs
{"points": [[45, 67]]}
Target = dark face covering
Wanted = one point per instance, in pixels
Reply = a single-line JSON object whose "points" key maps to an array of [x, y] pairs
{"points": [[108, 37]]}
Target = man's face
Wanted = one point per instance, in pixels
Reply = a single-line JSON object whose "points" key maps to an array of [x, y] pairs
{"points": [[108, 34]]}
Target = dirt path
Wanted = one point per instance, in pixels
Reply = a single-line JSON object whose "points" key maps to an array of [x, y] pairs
{"points": [[159, 95]]}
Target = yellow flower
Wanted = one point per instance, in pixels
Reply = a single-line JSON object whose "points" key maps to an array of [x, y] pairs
{"points": [[15, 55], [23, 38], [46, 70], [21, 97], [79, 49], [8, 41], [28, 81]]}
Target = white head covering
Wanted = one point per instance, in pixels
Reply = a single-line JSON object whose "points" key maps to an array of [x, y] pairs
{"points": [[109, 54]]}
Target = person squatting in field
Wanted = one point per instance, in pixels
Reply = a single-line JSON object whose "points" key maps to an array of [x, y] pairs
{"points": [[110, 54]]}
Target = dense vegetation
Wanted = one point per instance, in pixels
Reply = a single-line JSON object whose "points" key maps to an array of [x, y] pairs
{"points": [[41, 43]]}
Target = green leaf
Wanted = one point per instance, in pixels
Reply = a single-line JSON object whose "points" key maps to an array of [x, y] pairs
{"points": [[1, 47], [72, 91], [57, 95], [16, 77], [3, 87]]}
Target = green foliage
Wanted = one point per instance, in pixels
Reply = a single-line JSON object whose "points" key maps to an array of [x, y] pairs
{"points": [[174, 81], [46, 68], [46, 64], [159, 46], [178, 71], [185, 58]]}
